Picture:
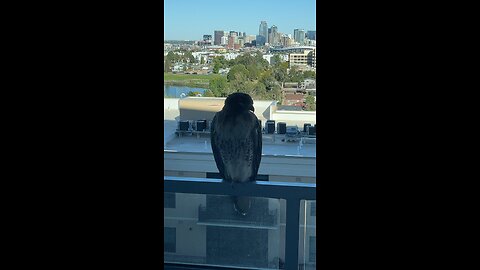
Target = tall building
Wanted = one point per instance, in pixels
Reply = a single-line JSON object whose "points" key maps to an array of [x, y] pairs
{"points": [[312, 35], [307, 58], [241, 41], [224, 40], [218, 34], [286, 41], [250, 38], [260, 40], [263, 33], [207, 39], [269, 35], [299, 36], [275, 37], [231, 42]]}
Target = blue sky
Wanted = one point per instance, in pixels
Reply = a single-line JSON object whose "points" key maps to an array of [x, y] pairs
{"points": [[191, 19]]}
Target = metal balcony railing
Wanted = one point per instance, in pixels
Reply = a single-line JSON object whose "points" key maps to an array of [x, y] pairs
{"points": [[293, 193], [264, 219]]}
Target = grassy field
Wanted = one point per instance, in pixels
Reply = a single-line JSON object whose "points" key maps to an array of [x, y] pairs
{"points": [[192, 80]]}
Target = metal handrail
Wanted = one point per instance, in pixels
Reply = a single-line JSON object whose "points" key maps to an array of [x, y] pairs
{"points": [[291, 192]]}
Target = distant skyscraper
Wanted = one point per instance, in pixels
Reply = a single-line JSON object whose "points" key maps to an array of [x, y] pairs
{"points": [[207, 39], [299, 36], [312, 35], [260, 40], [250, 38], [262, 32], [224, 40], [285, 41], [218, 34], [275, 37], [269, 35], [241, 41], [231, 42]]}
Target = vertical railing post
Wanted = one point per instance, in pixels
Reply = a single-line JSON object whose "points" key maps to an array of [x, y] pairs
{"points": [[292, 233]]}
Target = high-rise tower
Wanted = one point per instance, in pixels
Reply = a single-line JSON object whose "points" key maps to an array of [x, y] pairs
{"points": [[275, 38], [299, 36], [218, 34], [262, 33]]}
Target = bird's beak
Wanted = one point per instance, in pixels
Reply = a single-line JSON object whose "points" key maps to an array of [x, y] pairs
{"points": [[252, 108]]}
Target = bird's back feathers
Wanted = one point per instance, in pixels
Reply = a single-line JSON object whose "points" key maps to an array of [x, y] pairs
{"points": [[236, 140]]}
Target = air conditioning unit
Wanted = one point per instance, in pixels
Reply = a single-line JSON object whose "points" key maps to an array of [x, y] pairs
{"points": [[183, 125], [281, 127], [305, 127], [270, 126], [201, 125]]}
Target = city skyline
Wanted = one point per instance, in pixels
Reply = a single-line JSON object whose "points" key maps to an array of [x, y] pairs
{"points": [[190, 20]]}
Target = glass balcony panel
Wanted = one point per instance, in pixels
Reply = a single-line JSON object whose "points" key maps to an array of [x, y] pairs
{"points": [[208, 231], [307, 249]]}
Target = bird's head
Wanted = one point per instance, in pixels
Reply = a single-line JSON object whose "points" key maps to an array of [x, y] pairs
{"points": [[239, 102]]}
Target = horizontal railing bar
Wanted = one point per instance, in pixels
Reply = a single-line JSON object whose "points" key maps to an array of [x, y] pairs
{"points": [[266, 189]]}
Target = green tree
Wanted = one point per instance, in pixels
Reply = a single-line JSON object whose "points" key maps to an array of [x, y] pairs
{"points": [[216, 68], [249, 88], [239, 82], [189, 57], [295, 75], [246, 60], [310, 103], [231, 63], [280, 71], [220, 61], [253, 72], [237, 69], [276, 60], [193, 93], [202, 61], [167, 66], [173, 57], [309, 75], [208, 93], [260, 61], [259, 91], [218, 86], [268, 79]]}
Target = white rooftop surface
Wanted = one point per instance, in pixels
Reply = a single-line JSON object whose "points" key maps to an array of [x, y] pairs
{"points": [[187, 143]]}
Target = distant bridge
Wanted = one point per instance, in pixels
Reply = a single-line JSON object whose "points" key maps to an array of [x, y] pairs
{"points": [[298, 49]]}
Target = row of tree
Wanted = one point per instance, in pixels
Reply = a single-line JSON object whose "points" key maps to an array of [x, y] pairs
{"points": [[173, 58], [253, 75]]}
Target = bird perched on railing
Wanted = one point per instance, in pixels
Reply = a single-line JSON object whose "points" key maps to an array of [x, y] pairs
{"points": [[236, 139]]}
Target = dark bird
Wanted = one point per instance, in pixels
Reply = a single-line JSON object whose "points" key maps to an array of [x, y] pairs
{"points": [[236, 138]]}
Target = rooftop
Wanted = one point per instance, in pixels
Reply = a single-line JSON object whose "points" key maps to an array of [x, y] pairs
{"points": [[265, 110]]}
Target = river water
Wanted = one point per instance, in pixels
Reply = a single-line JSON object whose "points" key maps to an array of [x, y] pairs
{"points": [[173, 91]]}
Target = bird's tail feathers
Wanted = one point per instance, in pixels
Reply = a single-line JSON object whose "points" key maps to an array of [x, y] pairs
{"points": [[242, 204]]}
